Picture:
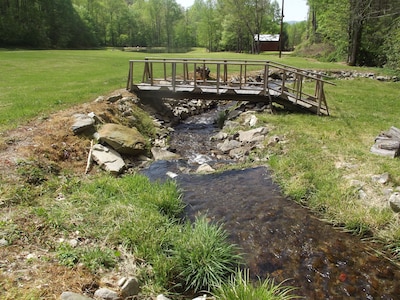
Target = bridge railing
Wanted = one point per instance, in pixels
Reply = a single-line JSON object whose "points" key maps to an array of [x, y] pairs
{"points": [[264, 77]]}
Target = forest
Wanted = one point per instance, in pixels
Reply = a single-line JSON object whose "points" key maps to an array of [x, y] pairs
{"points": [[359, 32]]}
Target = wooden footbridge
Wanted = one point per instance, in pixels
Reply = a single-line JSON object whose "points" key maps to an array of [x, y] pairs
{"points": [[238, 80]]}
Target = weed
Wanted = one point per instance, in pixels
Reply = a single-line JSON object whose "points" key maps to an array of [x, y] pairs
{"points": [[94, 258], [67, 255], [35, 172], [97, 258]]}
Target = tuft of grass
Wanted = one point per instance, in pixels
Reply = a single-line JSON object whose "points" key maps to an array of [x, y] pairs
{"points": [[93, 258], [239, 287], [204, 257]]}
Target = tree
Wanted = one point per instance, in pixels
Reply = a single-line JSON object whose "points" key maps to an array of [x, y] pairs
{"points": [[251, 14]]}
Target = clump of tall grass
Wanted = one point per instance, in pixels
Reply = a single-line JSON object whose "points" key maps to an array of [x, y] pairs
{"points": [[239, 287], [204, 258]]}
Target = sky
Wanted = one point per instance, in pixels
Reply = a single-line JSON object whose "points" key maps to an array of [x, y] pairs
{"points": [[294, 10]]}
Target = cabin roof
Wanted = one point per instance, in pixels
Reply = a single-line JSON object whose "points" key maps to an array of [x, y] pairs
{"points": [[267, 37]]}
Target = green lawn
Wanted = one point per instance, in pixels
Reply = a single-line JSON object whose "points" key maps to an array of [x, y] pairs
{"points": [[35, 83]]}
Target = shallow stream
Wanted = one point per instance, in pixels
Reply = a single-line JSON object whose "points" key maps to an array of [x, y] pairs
{"points": [[280, 238]]}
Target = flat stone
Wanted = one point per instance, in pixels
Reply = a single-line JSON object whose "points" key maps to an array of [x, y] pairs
{"points": [[253, 135], [122, 139], [228, 145], [162, 154], [73, 296], [205, 168], [82, 123], [106, 294], [108, 159]]}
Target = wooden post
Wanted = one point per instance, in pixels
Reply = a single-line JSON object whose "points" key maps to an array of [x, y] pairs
{"points": [[204, 71], [225, 72], [245, 72], [185, 71], [240, 76], [146, 71], [283, 83], [165, 71], [195, 75], [129, 83], [265, 87], [151, 74], [218, 74], [281, 31], [173, 76]]}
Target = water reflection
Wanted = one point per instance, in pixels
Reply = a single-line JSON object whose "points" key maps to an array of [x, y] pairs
{"points": [[285, 241]]}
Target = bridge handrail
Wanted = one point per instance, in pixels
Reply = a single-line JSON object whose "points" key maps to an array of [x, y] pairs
{"points": [[251, 62], [221, 81]]}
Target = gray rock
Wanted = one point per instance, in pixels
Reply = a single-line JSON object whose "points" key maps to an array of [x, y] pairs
{"points": [[231, 125], [162, 154], [240, 152], [122, 139], [382, 179], [130, 287], [73, 296], [114, 98], [205, 168], [83, 123], [228, 145], [394, 202], [250, 120], [108, 159], [106, 294], [253, 135], [3, 242], [220, 136], [162, 297]]}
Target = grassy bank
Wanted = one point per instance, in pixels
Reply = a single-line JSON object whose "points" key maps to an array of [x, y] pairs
{"points": [[317, 165], [326, 161]]}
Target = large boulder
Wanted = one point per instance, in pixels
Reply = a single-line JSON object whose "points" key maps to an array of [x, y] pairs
{"points": [[123, 139]]}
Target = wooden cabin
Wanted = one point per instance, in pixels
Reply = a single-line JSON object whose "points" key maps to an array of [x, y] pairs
{"points": [[268, 42]]}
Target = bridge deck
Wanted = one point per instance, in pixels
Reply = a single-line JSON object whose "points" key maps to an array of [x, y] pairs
{"points": [[248, 81]]}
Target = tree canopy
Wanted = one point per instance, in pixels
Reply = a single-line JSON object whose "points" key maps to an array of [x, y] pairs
{"points": [[361, 32]]}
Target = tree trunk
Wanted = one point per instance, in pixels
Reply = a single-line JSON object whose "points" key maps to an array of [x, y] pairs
{"points": [[357, 14], [355, 32]]}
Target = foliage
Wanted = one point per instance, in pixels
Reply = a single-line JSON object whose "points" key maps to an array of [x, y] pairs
{"points": [[240, 288], [392, 45], [357, 29], [145, 23], [42, 24]]}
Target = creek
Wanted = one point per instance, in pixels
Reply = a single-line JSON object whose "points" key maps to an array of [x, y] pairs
{"points": [[279, 238]]}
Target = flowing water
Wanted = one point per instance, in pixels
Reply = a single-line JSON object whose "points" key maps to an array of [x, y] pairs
{"points": [[279, 238]]}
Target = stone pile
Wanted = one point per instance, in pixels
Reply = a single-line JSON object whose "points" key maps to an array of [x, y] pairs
{"points": [[387, 143]]}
